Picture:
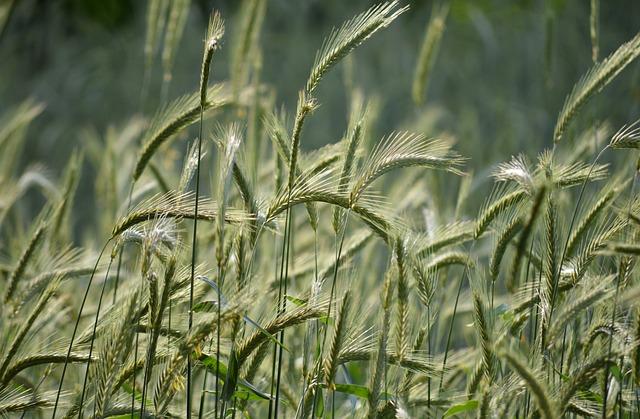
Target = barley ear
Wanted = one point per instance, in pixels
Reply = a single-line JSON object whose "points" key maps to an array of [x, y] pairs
{"points": [[524, 237], [484, 333], [339, 335], [215, 31], [429, 50], [350, 35], [27, 254], [594, 29], [21, 334], [491, 210], [246, 41], [178, 14], [402, 343], [538, 389], [175, 117], [599, 76], [504, 238]]}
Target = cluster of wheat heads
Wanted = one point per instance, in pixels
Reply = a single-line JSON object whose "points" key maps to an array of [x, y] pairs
{"points": [[217, 294]]}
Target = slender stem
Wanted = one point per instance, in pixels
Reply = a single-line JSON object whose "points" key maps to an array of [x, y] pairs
{"points": [[135, 371], [193, 264], [204, 387], [93, 338], [117, 280], [453, 318], [221, 274], [331, 294], [282, 311], [429, 355], [75, 330], [275, 347]]}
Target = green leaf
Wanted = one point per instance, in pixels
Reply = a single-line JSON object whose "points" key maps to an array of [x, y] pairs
{"points": [[265, 332], [211, 305], [354, 390], [589, 396], [463, 407], [210, 364], [501, 309], [231, 379], [296, 301], [138, 396], [615, 371], [507, 316], [205, 306], [241, 394], [320, 404], [326, 320]]}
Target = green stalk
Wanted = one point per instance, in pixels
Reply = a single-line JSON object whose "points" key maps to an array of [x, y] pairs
{"points": [[93, 337], [331, 294], [305, 106], [193, 263], [215, 31], [275, 347], [453, 318], [284, 307], [75, 330]]}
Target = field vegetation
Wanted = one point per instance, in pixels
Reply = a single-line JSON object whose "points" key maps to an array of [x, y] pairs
{"points": [[231, 269]]}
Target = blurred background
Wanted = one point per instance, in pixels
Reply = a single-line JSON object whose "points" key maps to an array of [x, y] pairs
{"points": [[499, 80]]}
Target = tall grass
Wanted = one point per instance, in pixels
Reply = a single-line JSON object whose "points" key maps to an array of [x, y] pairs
{"points": [[265, 280]]}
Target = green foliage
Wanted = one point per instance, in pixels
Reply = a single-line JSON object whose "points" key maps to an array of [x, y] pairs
{"points": [[389, 292]]}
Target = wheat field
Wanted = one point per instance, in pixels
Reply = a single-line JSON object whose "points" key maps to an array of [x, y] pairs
{"points": [[232, 271]]}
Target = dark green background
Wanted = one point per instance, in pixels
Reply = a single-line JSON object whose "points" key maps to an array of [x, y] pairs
{"points": [[503, 70]]}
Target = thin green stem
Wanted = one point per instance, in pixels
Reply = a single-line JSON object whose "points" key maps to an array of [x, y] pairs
{"points": [[93, 337], [75, 330]]}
